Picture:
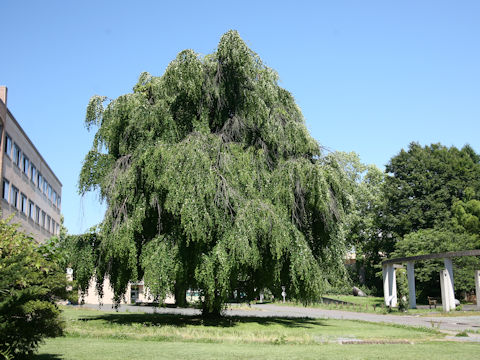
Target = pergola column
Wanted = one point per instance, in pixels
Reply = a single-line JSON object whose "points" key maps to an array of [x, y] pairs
{"points": [[386, 287], [451, 293], [389, 285], [445, 287], [393, 286], [446, 277], [477, 287], [411, 284]]}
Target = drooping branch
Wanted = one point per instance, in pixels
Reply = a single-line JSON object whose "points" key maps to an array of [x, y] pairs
{"points": [[212, 178]]}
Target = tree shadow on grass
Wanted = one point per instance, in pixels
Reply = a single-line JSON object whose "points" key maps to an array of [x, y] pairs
{"points": [[46, 357], [196, 320]]}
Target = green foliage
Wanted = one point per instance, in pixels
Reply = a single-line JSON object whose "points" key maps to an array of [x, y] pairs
{"points": [[158, 260], [30, 281], [431, 206], [424, 183], [213, 182], [466, 216], [434, 241], [363, 230], [81, 255], [6, 354], [55, 248], [402, 289]]}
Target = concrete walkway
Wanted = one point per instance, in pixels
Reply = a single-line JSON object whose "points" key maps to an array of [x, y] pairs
{"points": [[451, 325]]}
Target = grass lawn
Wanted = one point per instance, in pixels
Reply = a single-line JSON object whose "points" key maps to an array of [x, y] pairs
{"points": [[370, 304], [93, 334], [367, 303], [369, 300], [109, 349]]}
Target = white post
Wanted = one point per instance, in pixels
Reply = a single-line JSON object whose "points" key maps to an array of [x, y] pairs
{"points": [[451, 293], [444, 285], [386, 287], [411, 284], [477, 287], [392, 282]]}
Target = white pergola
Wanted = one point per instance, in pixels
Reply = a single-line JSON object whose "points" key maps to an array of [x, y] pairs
{"points": [[446, 278]]}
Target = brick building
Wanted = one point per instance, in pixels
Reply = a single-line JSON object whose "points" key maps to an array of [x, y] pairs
{"points": [[30, 189]]}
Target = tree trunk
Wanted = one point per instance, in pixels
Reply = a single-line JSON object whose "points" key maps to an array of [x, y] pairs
{"points": [[180, 295], [212, 308]]}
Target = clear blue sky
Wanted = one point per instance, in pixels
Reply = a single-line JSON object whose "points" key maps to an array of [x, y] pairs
{"points": [[369, 76]]}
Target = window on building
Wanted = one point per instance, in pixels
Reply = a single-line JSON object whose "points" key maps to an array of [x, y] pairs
{"points": [[33, 173], [49, 192], [45, 186], [54, 198], [37, 214], [31, 210], [6, 188], [14, 196], [23, 204], [26, 165], [43, 219], [17, 153], [53, 226], [8, 145], [39, 180], [58, 202], [48, 223]]}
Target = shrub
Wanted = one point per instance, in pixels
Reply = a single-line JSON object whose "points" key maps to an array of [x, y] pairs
{"points": [[30, 282], [402, 290]]}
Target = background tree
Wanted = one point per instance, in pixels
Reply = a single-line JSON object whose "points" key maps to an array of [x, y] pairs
{"points": [[431, 197], [363, 231], [30, 282], [212, 182], [466, 216], [424, 183]]}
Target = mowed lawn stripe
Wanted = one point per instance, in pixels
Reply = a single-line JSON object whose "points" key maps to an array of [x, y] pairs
{"points": [[106, 349]]}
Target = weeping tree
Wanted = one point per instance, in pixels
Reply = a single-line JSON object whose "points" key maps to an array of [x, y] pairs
{"points": [[212, 182]]}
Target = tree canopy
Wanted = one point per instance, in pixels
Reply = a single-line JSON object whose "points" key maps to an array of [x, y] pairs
{"points": [[424, 183], [365, 185], [431, 202], [212, 182], [363, 231], [427, 201], [466, 216]]}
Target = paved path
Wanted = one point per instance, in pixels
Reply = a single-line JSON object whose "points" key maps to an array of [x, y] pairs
{"points": [[448, 324]]}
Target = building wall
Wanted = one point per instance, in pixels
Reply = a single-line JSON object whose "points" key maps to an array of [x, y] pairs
{"points": [[38, 205], [136, 292]]}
